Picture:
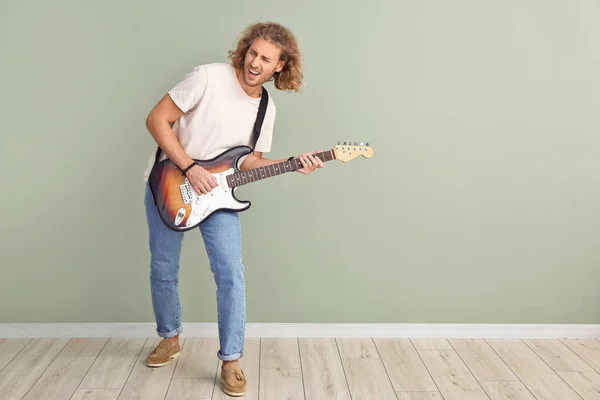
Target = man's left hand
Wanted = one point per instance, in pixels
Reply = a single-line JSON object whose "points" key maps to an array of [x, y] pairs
{"points": [[310, 162]]}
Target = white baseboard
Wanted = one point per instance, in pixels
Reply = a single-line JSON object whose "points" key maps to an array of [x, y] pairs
{"points": [[357, 330]]}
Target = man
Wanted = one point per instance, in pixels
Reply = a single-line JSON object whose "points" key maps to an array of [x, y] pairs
{"points": [[211, 110]]}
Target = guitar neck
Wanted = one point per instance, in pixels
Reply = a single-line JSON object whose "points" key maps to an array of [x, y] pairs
{"points": [[256, 174]]}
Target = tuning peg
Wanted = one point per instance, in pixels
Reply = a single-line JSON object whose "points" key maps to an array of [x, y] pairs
{"points": [[356, 144], [338, 142], [362, 144], [367, 144], [344, 143]]}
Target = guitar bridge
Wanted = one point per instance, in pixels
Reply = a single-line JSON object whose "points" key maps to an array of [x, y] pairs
{"points": [[186, 192]]}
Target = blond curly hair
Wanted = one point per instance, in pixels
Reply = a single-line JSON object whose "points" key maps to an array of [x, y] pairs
{"points": [[290, 77]]}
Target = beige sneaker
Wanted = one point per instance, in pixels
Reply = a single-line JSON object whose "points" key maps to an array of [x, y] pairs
{"points": [[233, 380], [163, 353]]}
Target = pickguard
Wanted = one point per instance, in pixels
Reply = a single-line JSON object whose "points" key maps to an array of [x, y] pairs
{"points": [[202, 205]]}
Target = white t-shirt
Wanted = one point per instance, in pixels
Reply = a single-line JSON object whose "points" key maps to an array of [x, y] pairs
{"points": [[218, 114]]}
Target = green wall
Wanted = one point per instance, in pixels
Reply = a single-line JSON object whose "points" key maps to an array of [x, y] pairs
{"points": [[481, 203]]}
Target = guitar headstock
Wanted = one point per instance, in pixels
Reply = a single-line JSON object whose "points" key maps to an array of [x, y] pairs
{"points": [[346, 151]]}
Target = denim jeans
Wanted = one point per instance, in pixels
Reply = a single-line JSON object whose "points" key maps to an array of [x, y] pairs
{"points": [[222, 237]]}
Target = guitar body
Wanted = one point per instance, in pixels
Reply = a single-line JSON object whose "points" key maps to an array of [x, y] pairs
{"points": [[179, 206]]}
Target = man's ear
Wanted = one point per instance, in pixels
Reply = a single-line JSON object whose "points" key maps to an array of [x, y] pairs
{"points": [[280, 66]]}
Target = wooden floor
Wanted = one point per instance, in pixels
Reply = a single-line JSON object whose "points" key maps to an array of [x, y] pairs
{"points": [[303, 368]]}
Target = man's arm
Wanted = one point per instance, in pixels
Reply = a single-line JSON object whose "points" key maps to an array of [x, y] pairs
{"points": [[159, 122], [256, 160]]}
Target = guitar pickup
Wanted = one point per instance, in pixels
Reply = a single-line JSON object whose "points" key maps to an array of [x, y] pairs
{"points": [[186, 192]]}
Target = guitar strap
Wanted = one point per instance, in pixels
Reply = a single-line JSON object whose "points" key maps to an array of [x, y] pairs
{"points": [[262, 110]]}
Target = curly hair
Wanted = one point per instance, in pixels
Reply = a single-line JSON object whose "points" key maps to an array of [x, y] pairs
{"points": [[290, 77]]}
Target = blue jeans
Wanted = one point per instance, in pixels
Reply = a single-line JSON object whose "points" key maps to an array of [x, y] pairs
{"points": [[223, 241]]}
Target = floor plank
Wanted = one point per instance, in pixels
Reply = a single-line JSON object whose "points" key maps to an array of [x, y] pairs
{"points": [[578, 374], [558, 356], [367, 379], [419, 396], [357, 348], [96, 394], [279, 353], [280, 369], [431, 344], [452, 376], [585, 383], [84, 347], [536, 375], [281, 383], [9, 348], [506, 390], [194, 375], [322, 369], [113, 365], [481, 359], [21, 373], [65, 373], [61, 379], [404, 366], [146, 383], [587, 349]]}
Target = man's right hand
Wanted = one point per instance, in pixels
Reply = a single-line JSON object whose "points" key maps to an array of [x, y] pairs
{"points": [[201, 180]]}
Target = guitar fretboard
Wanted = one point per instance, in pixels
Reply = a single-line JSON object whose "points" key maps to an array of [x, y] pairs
{"points": [[256, 174]]}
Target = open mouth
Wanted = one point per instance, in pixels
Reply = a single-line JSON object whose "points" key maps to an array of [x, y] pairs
{"points": [[253, 72]]}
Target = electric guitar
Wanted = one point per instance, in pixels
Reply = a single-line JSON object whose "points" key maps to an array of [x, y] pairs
{"points": [[182, 209]]}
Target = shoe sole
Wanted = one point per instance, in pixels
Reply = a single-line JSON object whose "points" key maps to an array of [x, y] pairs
{"points": [[173, 356], [234, 394]]}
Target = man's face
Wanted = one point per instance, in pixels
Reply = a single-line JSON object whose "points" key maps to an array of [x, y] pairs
{"points": [[261, 62]]}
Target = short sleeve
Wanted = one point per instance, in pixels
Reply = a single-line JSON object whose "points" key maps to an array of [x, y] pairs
{"points": [[187, 93], [265, 139]]}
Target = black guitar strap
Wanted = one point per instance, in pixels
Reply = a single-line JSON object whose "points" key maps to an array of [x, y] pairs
{"points": [[262, 110]]}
